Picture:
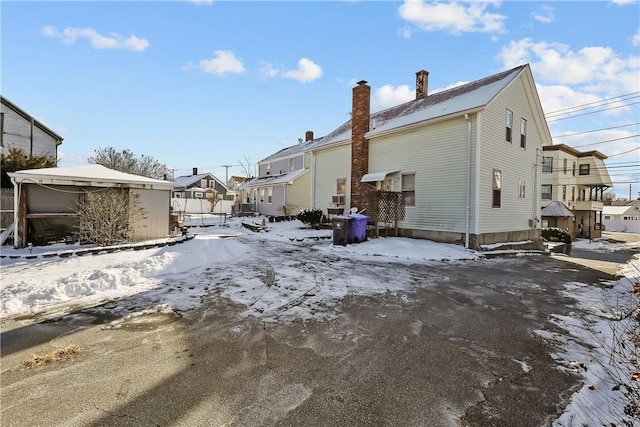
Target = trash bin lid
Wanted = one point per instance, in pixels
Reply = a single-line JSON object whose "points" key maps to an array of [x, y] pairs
{"points": [[358, 216]]}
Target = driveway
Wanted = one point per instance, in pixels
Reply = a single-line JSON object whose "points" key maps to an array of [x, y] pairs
{"points": [[460, 346]]}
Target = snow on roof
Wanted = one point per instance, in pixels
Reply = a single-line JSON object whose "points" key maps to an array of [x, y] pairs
{"points": [[272, 179], [455, 100], [92, 175], [556, 208], [291, 150], [618, 210], [186, 180], [467, 97]]}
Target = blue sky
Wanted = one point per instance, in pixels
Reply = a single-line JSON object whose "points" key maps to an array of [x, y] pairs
{"points": [[203, 84]]}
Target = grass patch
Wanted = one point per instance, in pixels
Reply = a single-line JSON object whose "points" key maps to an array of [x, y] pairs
{"points": [[59, 355]]}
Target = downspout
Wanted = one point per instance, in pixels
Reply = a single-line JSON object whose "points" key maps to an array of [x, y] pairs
{"points": [[16, 195], [476, 220], [468, 201], [313, 180]]}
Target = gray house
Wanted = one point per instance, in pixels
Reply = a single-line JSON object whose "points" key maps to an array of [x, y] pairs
{"points": [[19, 129], [199, 186], [283, 185]]}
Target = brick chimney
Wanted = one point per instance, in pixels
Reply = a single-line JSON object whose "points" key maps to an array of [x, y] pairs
{"points": [[422, 84], [195, 171], [308, 136], [360, 116]]}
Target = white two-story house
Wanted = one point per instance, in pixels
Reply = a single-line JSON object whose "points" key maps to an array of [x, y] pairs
{"points": [[465, 161]]}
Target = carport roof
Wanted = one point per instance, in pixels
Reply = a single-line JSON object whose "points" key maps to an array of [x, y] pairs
{"points": [[87, 175]]}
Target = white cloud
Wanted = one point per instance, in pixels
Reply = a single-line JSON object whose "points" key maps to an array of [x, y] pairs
{"points": [[623, 2], [389, 96], [405, 32], [307, 71], [455, 17], [636, 38], [201, 2], [596, 68], [268, 70], [224, 62], [96, 40], [545, 14]]}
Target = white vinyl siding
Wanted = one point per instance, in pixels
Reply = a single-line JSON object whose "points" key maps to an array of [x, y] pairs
{"points": [[514, 163], [437, 155], [299, 193], [331, 164]]}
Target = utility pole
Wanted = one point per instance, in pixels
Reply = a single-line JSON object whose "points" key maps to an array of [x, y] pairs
{"points": [[226, 173]]}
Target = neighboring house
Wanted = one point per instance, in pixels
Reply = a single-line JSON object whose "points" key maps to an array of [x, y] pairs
{"points": [[45, 201], [622, 218], [465, 160], [199, 186], [579, 180], [18, 129], [283, 184]]}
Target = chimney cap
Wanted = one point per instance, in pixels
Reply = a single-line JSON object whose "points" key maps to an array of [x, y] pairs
{"points": [[362, 82]]}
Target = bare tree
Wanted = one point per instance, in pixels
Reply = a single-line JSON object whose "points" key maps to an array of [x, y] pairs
{"points": [[248, 167], [127, 161], [107, 217]]}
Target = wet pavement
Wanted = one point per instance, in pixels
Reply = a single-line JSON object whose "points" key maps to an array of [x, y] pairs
{"points": [[458, 348]]}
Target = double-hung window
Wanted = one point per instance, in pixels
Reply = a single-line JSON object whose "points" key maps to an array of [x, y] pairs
{"points": [[497, 188], [547, 164], [523, 133], [509, 125], [409, 189]]}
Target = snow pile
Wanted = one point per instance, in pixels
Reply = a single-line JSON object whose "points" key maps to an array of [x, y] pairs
{"points": [[598, 345], [223, 259]]}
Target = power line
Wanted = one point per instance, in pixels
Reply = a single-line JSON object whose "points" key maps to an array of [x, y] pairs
{"points": [[624, 152], [590, 112], [608, 140], [595, 130], [581, 106]]}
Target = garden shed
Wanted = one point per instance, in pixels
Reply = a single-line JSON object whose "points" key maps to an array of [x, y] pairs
{"points": [[45, 201]]}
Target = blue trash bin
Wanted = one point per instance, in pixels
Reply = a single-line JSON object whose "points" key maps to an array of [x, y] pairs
{"points": [[358, 228]]}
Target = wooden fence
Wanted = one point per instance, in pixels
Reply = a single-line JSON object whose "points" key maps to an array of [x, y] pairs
{"points": [[6, 207]]}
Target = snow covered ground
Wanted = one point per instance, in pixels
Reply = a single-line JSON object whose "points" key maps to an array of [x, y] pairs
{"points": [[227, 260]]}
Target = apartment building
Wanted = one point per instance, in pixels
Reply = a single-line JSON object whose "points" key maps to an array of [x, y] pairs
{"points": [[578, 180]]}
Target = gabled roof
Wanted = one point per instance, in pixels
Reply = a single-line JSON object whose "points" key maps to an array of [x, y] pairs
{"points": [[88, 175], [291, 150], [29, 117], [619, 210], [187, 180], [466, 98], [266, 181], [556, 208]]}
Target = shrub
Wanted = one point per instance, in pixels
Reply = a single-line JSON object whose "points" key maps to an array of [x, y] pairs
{"points": [[310, 216], [554, 234]]}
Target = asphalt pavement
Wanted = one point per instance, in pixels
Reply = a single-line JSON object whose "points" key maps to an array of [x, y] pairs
{"points": [[459, 349]]}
